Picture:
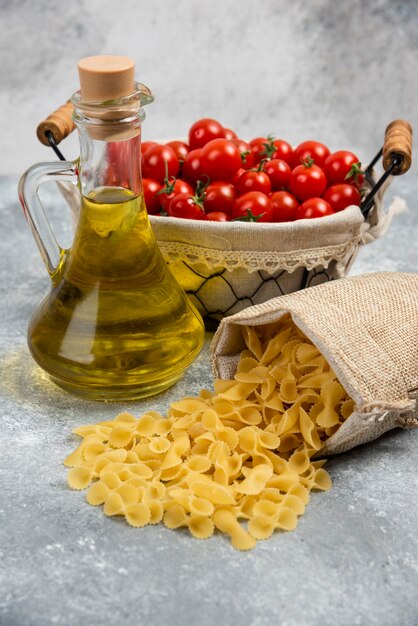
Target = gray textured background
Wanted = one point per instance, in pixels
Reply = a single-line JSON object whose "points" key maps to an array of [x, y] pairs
{"points": [[334, 71]]}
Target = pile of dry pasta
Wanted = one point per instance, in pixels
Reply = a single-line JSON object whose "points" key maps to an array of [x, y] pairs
{"points": [[238, 459]]}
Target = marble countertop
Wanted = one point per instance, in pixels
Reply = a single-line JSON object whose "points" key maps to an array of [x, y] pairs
{"points": [[353, 560]]}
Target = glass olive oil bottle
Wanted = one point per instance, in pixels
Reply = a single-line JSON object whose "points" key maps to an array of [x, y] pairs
{"points": [[116, 325]]}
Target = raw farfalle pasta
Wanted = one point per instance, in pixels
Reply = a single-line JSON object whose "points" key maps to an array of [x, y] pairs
{"points": [[238, 460]]}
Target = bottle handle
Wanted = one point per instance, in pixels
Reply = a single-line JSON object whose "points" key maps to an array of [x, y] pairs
{"points": [[51, 252]]}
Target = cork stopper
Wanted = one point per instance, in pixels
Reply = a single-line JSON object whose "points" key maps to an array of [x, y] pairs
{"points": [[106, 77]]}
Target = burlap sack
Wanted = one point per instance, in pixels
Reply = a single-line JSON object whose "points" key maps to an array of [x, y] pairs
{"points": [[367, 329], [226, 267]]}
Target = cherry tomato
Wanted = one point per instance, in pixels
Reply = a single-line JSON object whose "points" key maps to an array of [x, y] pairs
{"points": [[307, 181], [181, 149], [284, 206], [314, 207], [247, 157], [311, 150], [283, 151], [152, 201], [278, 172], [159, 162], [172, 188], [217, 216], [192, 169], [204, 131], [220, 159], [271, 148], [186, 206], [253, 180], [147, 144], [235, 177], [229, 134], [258, 148], [253, 206], [344, 167], [219, 197], [341, 196]]}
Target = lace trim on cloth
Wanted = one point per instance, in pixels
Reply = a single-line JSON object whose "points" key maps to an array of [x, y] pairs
{"points": [[253, 261]]}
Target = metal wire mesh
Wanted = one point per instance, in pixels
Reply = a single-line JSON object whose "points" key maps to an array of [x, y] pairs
{"points": [[221, 285]]}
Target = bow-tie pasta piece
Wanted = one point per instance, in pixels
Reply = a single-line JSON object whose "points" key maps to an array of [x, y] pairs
{"points": [[156, 510], [113, 505], [261, 527], [226, 521], [79, 477], [97, 493], [255, 481], [201, 527], [253, 342], [175, 516], [137, 515]]}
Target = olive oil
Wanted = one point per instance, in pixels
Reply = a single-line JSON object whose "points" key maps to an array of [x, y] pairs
{"points": [[116, 324]]}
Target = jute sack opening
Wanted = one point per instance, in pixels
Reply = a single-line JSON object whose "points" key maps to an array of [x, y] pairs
{"points": [[226, 267], [367, 329]]}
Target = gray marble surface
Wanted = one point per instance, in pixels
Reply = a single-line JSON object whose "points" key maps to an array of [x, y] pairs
{"points": [[353, 559]]}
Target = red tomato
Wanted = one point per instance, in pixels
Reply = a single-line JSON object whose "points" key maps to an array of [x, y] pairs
{"points": [[147, 144], [219, 197], [173, 188], [229, 134], [192, 169], [253, 206], [258, 148], [344, 167], [159, 162], [311, 150], [283, 151], [278, 172], [217, 216], [152, 201], [247, 157], [186, 206], [220, 159], [307, 181], [235, 177], [253, 181], [284, 206], [204, 131], [341, 196], [314, 207], [181, 149], [271, 148]]}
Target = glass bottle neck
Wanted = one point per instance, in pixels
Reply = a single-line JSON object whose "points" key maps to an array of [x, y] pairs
{"points": [[110, 141], [109, 163]]}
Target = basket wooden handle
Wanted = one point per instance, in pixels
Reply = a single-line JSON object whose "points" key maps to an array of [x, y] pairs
{"points": [[59, 123], [398, 143]]}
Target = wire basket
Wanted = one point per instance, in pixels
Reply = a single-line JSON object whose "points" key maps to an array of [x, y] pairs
{"points": [[226, 267]]}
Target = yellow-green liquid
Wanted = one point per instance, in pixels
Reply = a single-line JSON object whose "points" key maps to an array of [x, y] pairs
{"points": [[116, 325]]}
